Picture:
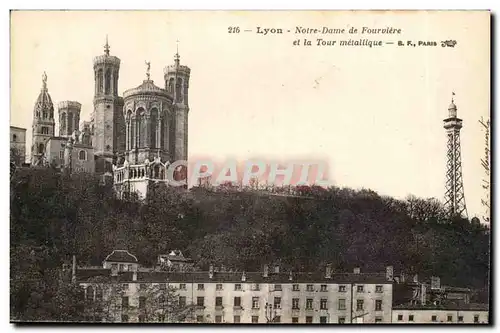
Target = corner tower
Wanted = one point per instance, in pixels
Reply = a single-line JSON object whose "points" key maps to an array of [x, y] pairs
{"points": [[43, 123], [108, 126], [177, 84]]}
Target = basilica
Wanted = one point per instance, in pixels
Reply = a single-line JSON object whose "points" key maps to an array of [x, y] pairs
{"points": [[129, 140]]}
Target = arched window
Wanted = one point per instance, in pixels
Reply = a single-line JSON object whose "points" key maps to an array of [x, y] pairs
{"points": [[171, 85], [156, 174], [141, 128], [132, 133], [154, 127], [14, 137], [107, 84], [90, 293], [100, 81], [115, 83], [165, 133], [41, 148], [70, 123], [178, 91], [82, 155], [45, 114], [63, 123], [128, 136]]}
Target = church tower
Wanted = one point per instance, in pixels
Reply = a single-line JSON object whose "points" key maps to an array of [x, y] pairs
{"points": [[108, 127], [69, 117], [43, 124], [177, 84]]}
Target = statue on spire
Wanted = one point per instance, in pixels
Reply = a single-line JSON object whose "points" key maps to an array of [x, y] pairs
{"points": [[106, 47], [44, 80], [148, 69]]}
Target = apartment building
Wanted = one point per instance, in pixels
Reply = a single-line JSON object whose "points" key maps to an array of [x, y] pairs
{"points": [[269, 296]]}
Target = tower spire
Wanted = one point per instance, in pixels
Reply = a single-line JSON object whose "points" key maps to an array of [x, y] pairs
{"points": [[454, 193], [177, 56], [148, 69], [44, 81], [106, 47]]}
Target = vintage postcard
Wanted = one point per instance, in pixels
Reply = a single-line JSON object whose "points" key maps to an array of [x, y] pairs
{"points": [[250, 167]]}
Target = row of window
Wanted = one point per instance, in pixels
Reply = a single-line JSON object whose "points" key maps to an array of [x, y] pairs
{"points": [[323, 304], [237, 287], [82, 155], [295, 287], [122, 267], [449, 318], [255, 319]]}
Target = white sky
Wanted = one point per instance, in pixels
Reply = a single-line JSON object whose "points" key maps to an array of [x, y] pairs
{"points": [[375, 115]]}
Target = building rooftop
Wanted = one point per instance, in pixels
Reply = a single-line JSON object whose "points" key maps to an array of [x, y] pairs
{"points": [[121, 256], [236, 277], [174, 256], [147, 88], [451, 307]]}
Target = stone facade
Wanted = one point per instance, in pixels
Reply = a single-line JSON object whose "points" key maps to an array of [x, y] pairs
{"points": [[156, 131], [177, 84], [70, 154], [18, 145], [108, 123]]}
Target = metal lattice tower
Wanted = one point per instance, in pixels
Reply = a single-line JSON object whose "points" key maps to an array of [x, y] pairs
{"points": [[454, 194]]}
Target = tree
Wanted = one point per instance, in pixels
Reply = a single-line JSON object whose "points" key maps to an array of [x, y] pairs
{"points": [[58, 215], [108, 301], [15, 156], [160, 303]]}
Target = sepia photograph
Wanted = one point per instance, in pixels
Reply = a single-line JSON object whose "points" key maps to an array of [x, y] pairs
{"points": [[250, 167]]}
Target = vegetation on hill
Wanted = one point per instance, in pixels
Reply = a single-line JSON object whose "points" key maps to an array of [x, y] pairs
{"points": [[55, 216]]}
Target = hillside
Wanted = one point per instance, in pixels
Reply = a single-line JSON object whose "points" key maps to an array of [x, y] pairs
{"points": [[242, 230]]}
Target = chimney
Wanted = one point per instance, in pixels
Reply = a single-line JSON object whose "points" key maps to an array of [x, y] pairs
{"points": [[134, 276], [266, 271], [328, 273], [290, 276], [276, 269], [402, 277], [211, 271], [243, 277], [73, 270], [389, 273], [357, 270]]}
